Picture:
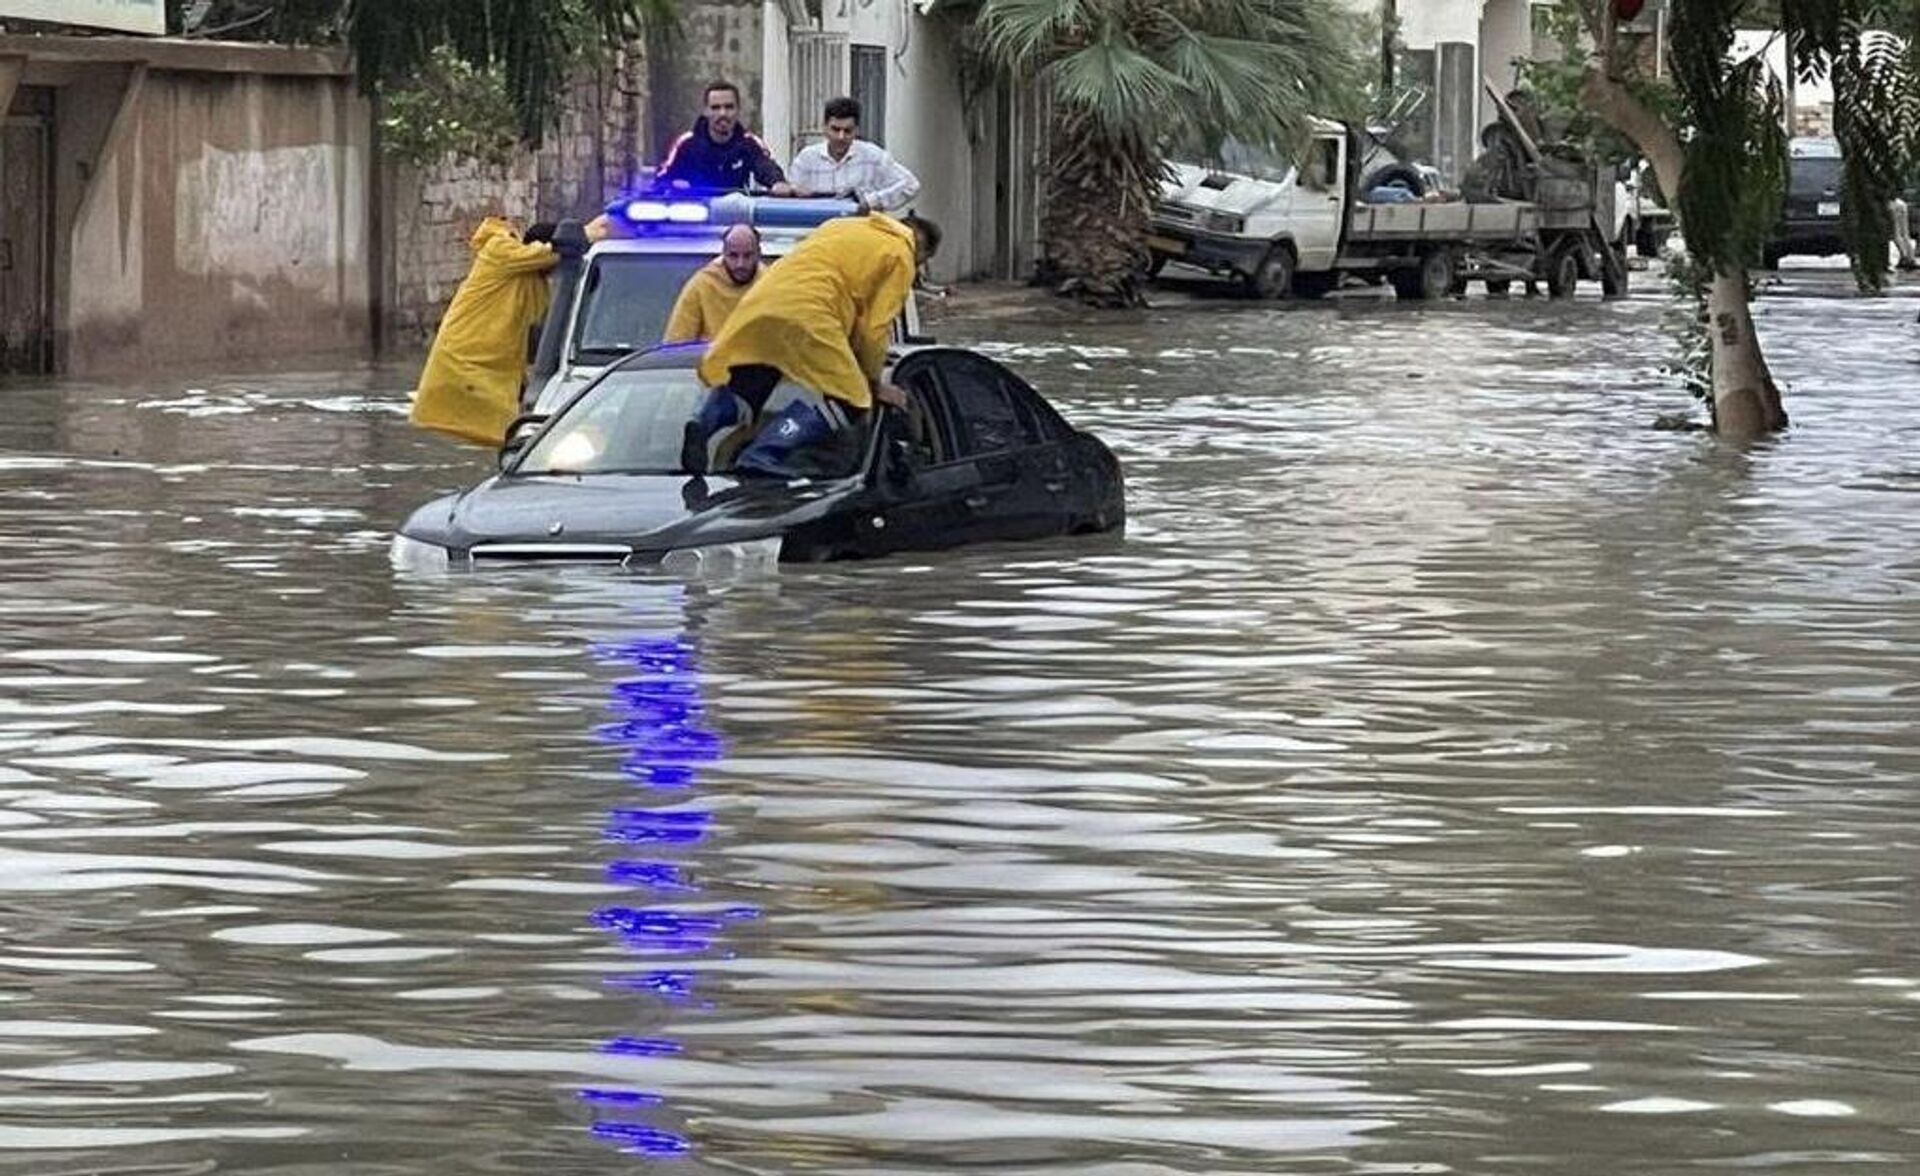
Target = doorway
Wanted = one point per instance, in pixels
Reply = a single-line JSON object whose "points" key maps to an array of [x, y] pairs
{"points": [[26, 234]]}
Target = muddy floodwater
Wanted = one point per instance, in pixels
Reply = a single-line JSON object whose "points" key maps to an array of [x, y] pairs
{"points": [[1448, 773]]}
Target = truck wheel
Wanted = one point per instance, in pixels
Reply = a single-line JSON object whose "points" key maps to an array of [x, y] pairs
{"points": [[1274, 279], [1155, 263], [1613, 272], [1563, 274], [1436, 274], [1315, 285], [1406, 284]]}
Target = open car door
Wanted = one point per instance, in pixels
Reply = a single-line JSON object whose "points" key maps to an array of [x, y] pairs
{"points": [[972, 460]]}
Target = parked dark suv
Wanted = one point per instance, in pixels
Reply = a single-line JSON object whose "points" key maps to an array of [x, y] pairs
{"points": [[1810, 216]]}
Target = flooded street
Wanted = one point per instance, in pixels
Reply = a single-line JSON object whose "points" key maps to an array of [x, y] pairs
{"points": [[1448, 773]]}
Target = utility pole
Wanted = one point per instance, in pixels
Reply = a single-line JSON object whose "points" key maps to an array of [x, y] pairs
{"points": [[1389, 29]]}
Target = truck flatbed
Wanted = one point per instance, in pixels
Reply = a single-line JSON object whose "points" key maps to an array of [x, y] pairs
{"points": [[1453, 221]]}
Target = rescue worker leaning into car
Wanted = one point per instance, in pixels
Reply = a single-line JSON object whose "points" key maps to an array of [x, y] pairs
{"points": [[820, 319], [714, 291], [470, 388]]}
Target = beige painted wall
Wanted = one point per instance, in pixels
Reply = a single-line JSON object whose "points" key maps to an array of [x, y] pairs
{"points": [[228, 220]]}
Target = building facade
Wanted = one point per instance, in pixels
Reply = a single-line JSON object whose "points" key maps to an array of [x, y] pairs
{"points": [[1452, 51], [170, 201]]}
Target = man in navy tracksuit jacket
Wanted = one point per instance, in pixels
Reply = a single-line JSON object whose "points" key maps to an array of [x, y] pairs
{"points": [[720, 155]]}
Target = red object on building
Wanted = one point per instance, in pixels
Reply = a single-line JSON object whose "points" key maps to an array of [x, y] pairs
{"points": [[1625, 10]]}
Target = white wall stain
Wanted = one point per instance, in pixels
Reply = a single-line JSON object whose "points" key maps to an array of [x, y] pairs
{"points": [[265, 217]]}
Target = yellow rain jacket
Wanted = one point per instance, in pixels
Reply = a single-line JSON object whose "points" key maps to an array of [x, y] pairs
{"points": [[706, 302], [470, 387], [824, 312]]}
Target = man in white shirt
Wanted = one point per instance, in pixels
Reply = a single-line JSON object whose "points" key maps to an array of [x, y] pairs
{"points": [[847, 165]]}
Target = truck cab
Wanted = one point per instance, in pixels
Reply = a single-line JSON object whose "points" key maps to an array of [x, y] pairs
{"points": [[1272, 223], [616, 298], [1351, 205]]}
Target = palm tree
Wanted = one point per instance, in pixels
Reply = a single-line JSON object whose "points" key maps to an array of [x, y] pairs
{"points": [[1130, 78], [531, 44], [1721, 145]]}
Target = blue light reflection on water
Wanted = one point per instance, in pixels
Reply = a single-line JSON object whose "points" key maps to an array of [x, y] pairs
{"points": [[657, 720]]}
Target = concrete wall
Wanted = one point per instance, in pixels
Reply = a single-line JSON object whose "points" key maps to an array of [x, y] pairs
{"points": [[226, 217], [719, 39], [1506, 36], [1426, 23], [1443, 53]]}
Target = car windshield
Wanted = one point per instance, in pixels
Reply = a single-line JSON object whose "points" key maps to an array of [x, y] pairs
{"points": [[1813, 178], [1257, 162], [627, 298], [630, 422]]}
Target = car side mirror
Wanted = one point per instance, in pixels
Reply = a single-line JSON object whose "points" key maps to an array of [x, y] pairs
{"points": [[523, 429]]}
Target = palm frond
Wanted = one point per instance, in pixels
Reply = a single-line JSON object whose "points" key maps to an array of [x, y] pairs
{"points": [[1124, 90], [1025, 35], [1198, 69]]}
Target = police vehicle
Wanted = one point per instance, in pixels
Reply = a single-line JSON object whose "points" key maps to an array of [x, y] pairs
{"points": [[612, 299]]}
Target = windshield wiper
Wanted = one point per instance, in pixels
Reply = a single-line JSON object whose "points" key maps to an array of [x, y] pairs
{"points": [[614, 350], [633, 473]]}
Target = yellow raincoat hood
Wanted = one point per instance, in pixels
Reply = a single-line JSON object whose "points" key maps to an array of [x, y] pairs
{"points": [[470, 387], [824, 313]]}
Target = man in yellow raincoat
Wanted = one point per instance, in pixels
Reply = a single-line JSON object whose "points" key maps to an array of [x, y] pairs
{"points": [[714, 291], [470, 387], [821, 319]]}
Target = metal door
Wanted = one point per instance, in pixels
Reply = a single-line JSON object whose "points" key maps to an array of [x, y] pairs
{"points": [[26, 335]]}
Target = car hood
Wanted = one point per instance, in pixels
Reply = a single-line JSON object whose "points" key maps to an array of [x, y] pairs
{"points": [[641, 512], [1204, 191]]}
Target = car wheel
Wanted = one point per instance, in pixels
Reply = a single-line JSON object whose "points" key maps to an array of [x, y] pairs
{"points": [[1274, 279]]}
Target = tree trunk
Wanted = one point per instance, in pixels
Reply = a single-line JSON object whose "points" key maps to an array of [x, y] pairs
{"points": [[1099, 208], [1746, 401]]}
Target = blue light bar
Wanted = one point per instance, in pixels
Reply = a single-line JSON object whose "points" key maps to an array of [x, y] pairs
{"points": [[795, 213], [732, 208], [653, 212]]}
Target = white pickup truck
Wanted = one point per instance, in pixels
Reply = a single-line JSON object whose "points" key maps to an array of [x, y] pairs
{"points": [[1284, 229], [613, 298]]}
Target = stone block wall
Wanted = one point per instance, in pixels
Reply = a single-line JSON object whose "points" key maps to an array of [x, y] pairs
{"points": [[433, 212], [430, 212]]}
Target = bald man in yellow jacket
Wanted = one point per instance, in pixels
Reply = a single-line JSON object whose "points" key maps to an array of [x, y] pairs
{"points": [[714, 291], [821, 318]]}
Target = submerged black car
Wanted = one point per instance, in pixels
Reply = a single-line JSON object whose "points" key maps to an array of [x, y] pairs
{"points": [[978, 456]]}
